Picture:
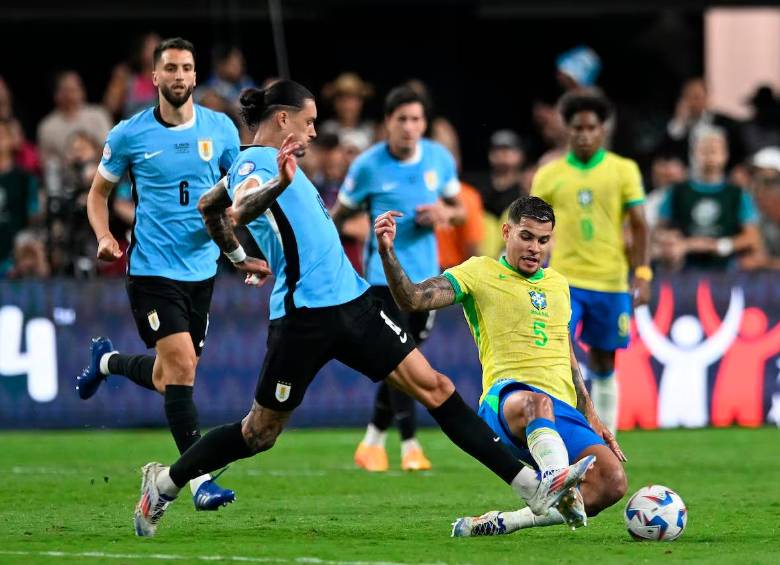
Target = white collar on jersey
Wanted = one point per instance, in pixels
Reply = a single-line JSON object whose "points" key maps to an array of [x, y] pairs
{"points": [[186, 125], [415, 158]]}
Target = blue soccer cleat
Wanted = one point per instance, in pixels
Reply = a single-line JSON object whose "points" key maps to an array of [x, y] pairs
{"points": [[210, 496], [90, 378]]}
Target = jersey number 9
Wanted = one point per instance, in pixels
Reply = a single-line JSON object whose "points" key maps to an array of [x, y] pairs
{"points": [[184, 194]]}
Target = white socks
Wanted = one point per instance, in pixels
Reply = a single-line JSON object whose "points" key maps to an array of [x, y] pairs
{"points": [[546, 445], [525, 483], [374, 436], [165, 485], [104, 362], [524, 518], [197, 481], [604, 392], [408, 445]]}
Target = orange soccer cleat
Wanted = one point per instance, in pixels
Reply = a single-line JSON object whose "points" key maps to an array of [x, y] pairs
{"points": [[415, 460], [371, 457]]}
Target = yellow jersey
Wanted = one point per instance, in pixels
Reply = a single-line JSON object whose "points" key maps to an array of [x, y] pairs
{"points": [[520, 324], [590, 201]]}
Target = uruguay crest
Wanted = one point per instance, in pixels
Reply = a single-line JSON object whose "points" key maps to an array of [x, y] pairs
{"points": [[282, 391], [538, 299], [154, 320], [205, 149], [431, 180]]}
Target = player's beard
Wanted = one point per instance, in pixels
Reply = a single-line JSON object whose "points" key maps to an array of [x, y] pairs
{"points": [[176, 100]]}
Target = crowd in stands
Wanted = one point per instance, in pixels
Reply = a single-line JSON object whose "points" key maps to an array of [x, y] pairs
{"points": [[713, 183]]}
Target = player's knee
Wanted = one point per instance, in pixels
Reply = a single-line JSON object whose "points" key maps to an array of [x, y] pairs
{"points": [[259, 439], [432, 391], [543, 406], [179, 370], [613, 483]]}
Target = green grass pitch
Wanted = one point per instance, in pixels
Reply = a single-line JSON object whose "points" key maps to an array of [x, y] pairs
{"points": [[68, 498]]}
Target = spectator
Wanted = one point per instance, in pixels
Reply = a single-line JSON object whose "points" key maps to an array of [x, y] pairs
{"points": [[347, 94], [19, 197], [502, 186], [458, 243], [131, 89], [693, 112], [223, 88], [766, 188], [665, 171], [71, 114], [763, 129], [25, 152], [705, 222], [71, 242], [354, 142], [29, 257]]}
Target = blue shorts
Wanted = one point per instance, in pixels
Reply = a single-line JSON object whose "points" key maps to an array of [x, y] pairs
{"points": [[606, 318], [574, 429]]}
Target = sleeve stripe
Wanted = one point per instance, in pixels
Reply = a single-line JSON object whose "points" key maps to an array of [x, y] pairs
{"points": [[106, 174], [347, 201], [459, 296], [451, 188], [632, 203]]}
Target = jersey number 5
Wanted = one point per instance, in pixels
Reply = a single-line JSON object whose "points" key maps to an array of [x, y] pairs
{"points": [[539, 327], [184, 194]]}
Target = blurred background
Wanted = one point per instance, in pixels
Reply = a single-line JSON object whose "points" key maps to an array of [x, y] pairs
{"points": [[493, 70]]}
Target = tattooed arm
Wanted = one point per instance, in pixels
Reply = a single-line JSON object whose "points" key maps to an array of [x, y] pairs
{"points": [[213, 206], [252, 199], [585, 407], [433, 293]]}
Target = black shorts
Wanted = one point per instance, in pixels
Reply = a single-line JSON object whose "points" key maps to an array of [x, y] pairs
{"points": [[419, 324], [359, 333], [162, 307]]}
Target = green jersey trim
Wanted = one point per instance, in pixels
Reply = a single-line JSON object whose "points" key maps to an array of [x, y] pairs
{"points": [[597, 158], [537, 276], [632, 203], [459, 294]]}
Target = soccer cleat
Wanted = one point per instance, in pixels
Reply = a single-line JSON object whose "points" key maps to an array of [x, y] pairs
{"points": [[572, 508], [152, 505], [554, 484], [415, 460], [489, 524], [210, 496], [371, 457], [90, 378]]}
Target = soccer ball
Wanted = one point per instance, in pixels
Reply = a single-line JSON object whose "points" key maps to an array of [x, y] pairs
{"points": [[656, 513]]}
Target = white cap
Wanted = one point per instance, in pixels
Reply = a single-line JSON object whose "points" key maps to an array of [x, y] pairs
{"points": [[767, 158]]}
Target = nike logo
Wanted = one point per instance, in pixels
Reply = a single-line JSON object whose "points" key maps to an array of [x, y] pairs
{"points": [[150, 155], [502, 276], [388, 186], [496, 439], [402, 338]]}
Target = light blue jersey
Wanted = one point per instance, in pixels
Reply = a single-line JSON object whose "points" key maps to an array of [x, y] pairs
{"points": [[298, 239], [170, 167], [380, 182]]}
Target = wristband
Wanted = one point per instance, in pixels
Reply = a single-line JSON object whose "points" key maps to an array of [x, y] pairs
{"points": [[725, 246], [643, 272], [238, 255]]}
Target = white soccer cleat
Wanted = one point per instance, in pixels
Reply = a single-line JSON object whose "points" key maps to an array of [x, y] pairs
{"points": [[572, 508], [489, 524], [152, 505], [554, 484]]}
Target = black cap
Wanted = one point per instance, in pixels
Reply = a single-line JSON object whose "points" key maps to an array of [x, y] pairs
{"points": [[506, 138]]}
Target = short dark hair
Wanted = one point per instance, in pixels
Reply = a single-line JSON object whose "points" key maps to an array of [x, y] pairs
{"points": [[172, 43], [402, 95], [531, 207], [258, 104], [574, 102]]}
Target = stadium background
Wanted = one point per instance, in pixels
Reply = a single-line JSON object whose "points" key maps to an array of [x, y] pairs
{"points": [[486, 62]]}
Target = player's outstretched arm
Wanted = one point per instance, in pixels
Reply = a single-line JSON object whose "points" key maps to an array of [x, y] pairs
{"points": [[252, 199], [586, 408], [433, 293]]}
